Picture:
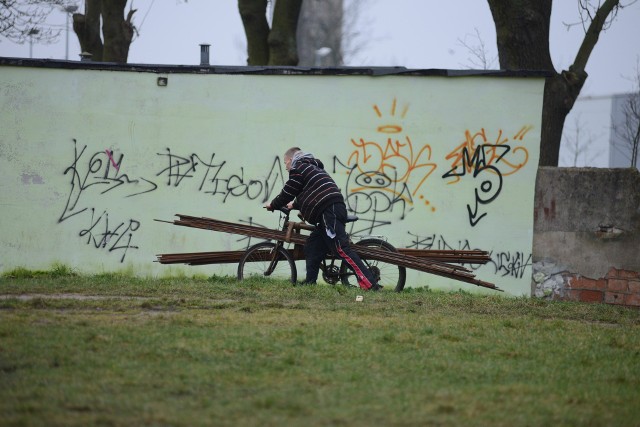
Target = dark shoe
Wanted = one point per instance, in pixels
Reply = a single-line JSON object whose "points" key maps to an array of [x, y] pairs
{"points": [[376, 288]]}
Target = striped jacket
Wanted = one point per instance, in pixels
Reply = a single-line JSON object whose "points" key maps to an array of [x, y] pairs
{"points": [[311, 187]]}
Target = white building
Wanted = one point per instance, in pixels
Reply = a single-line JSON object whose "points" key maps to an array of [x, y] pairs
{"points": [[592, 133]]}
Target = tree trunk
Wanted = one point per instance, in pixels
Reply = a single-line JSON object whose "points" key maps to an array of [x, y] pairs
{"points": [[87, 28], [282, 38], [522, 29], [275, 46], [117, 31], [560, 93], [256, 28]]}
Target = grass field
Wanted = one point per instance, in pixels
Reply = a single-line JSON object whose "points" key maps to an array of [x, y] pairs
{"points": [[124, 351]]}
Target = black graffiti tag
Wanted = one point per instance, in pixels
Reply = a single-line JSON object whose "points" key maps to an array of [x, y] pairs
{"points": [[101, 172], [491, 180], [102, 235], [369, 194], [215, 179], [510, 264], [504, 263]]}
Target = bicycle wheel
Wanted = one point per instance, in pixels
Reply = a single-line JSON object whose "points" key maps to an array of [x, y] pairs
{"points": [[388, 275], [257, 260]]}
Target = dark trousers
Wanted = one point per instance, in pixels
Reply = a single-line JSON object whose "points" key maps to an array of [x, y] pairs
{"points": [[330, 236]]}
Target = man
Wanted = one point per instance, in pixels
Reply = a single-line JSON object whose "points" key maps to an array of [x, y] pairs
{"points": [[311, 190]]}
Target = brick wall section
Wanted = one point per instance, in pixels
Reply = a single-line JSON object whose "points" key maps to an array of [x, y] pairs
{"points": [[620, 287]]}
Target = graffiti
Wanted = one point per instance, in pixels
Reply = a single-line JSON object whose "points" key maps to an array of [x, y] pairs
{"points": [[504, 264], [113, 162], [488, 164], [102, 173], [395, 161], [101, 235], [214, 178], [97, 172], [183, 167], [492, 153], [490, 180], [370, 203], [437, 242], [385, 177], [392, 175], [510, 264]]}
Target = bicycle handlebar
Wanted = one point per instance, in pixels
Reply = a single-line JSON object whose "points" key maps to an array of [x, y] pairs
{"points": [[285, 210]]}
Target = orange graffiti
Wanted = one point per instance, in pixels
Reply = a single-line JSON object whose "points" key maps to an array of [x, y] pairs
{"points": [[511, 160], [397, 160]]}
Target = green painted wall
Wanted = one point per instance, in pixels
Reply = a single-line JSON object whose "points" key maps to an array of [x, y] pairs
{"points": [[90, 158]]}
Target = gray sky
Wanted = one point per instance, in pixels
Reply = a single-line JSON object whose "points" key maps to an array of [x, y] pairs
{"points": [[411, 33]]}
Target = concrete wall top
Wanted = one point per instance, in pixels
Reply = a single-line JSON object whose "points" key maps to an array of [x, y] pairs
{"points": [[585, 199], [587, 221]]}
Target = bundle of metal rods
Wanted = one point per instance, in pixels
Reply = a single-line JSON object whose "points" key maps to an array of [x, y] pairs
{"points": [[422, 264], [430, 261], [455, 256], [201, 258]]}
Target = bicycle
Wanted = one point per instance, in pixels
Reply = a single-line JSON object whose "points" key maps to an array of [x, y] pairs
{"points": [[272, 259]]}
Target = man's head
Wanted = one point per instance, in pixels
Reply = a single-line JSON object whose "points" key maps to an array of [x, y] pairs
{"points": [[288, 156]]}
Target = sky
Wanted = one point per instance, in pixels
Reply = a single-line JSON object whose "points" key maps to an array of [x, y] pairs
{"points": [[410, 33]]}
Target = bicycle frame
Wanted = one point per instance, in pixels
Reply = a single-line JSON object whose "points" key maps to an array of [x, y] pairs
{"points": [[329, 273]]}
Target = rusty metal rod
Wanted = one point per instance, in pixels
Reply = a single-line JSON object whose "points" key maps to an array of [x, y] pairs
{"points": [[457, 256]]}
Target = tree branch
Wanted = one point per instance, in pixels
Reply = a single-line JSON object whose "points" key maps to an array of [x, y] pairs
{"points": [[592, 35]]}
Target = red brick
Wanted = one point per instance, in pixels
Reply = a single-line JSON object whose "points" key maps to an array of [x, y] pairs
{"points": [[628, 274], [581, 282], [591, 296], [634, 286], [588, 283], [572, 295], [618, 285], [632, 300], [614, 298], [601, 284], [613, 273]]}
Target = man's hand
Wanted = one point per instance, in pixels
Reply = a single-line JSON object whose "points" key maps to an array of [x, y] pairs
{"points": [[268, 207], [290, 205]]}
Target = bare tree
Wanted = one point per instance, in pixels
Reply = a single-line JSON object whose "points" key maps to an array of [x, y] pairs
{"points": [[628, 128], [319, 33], [355, 34], [275, 45], [117, 30], [331, 32], [479, 56], [322, 32], [578, 144], [25, 20], [522, 28]]}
